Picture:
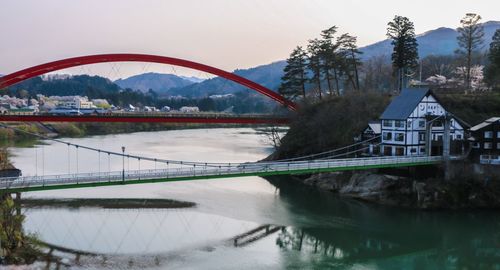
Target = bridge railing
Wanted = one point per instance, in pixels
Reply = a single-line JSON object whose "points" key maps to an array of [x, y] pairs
{"points": [[151, 114], [200, 171]]}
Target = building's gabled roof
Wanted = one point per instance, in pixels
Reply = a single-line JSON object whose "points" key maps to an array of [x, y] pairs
{"points": [[485, 123], [403, 105], [375, 126]]}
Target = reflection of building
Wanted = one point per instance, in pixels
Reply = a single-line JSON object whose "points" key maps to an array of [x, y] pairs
{"points": [[486, 141], [404, 124]]}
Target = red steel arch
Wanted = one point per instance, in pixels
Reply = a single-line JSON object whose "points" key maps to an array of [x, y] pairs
{"points": [[31, 72]]}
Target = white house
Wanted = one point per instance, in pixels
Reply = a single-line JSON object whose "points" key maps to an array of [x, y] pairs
{"points": [[404, 124], [370, 138], [187, 109]]}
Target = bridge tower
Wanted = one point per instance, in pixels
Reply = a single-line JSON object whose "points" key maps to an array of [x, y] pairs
{"points": [[446, 141]]}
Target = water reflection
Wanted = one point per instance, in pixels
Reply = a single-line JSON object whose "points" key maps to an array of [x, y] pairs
{"points": [[328, 233], [243, 223], [386, 238]]}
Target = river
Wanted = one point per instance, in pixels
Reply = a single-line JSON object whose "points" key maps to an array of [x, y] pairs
{"points": [[296, 227]]}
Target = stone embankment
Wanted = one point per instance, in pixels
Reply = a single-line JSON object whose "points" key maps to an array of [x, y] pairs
{"points": [[429, 193]]}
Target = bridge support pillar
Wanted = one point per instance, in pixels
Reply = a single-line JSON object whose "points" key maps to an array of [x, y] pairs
{"points": [[17, 203], [446, 147], [428, 138]]}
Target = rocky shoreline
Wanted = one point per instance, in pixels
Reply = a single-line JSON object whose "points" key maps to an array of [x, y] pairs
{"points": [[409, 192]]}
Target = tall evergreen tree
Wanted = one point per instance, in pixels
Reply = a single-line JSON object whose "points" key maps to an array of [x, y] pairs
{"points": [[405, 52], [492, 70], [329, 58], [350, 53], [314, 50], [470, 38], [295, 78]]}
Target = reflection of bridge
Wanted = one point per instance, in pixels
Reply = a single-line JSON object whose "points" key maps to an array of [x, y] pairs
{"points": [[206, 171], [56, 255], [202, 118]]}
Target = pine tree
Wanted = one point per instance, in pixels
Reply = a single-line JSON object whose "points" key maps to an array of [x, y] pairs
{"points": [[405, 52], [470, 38], [350, 53], [492, 70], [314, 63], [329, 57], [295, 77]]}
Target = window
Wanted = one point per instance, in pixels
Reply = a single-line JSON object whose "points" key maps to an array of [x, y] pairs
{"points": [[387, 136], [438, 124], [459, 136], [387, 123], [488, 145], [413, 150], [488, 134], [498, 146], [387, 150], [422, 150], [476, 145], [400, 151], [498, 134], [399, 137], [421, 123], [421, 136], [400, 124]]}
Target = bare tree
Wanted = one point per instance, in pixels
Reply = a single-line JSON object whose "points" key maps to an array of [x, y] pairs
{"points": [[470, 38]]}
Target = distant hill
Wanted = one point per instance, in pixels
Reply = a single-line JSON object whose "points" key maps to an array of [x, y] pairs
{"points": [[192, 79], [158, 82], [441, 41], [266, 75], [72, 85]]}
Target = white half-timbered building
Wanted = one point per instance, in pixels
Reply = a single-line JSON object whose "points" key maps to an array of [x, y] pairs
{"points": [[403, 124]]}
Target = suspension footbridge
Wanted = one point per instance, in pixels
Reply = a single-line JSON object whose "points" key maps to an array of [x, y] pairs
{"points": [[209, 171], [339, 159]]}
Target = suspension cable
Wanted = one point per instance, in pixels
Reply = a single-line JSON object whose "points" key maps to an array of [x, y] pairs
{"points": [[329, 151], [192, 163], [179, 162]]}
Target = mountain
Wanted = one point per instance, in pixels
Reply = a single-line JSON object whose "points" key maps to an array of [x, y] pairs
{"points": [[192, 79], [158, 82], [266, 75], [441, 41], [72, 85]]}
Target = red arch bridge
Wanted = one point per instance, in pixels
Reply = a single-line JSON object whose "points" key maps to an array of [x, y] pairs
{"points": [[34, 71]]}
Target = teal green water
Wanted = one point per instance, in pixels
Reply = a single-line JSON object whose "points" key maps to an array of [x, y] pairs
{"points": [[316, 230]]}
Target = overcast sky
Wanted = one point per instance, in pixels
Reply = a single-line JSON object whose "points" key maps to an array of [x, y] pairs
{"points": [[228, 34]]}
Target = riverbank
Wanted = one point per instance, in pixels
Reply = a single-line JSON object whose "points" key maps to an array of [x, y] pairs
{"points": [[9, 137], [333, 123], [127, 203], [430, 193]]}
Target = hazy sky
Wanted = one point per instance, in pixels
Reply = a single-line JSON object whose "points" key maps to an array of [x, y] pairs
{"points": [[228, 34]]}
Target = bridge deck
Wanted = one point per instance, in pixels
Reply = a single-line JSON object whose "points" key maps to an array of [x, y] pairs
{"points": [[49, 182], [154, 117]]}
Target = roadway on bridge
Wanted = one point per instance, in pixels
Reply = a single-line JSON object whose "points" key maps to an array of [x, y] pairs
{"points": [[200, 118]]}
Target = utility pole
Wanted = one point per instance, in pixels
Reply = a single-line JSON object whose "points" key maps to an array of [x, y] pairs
{"points": [[123, 164]]}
